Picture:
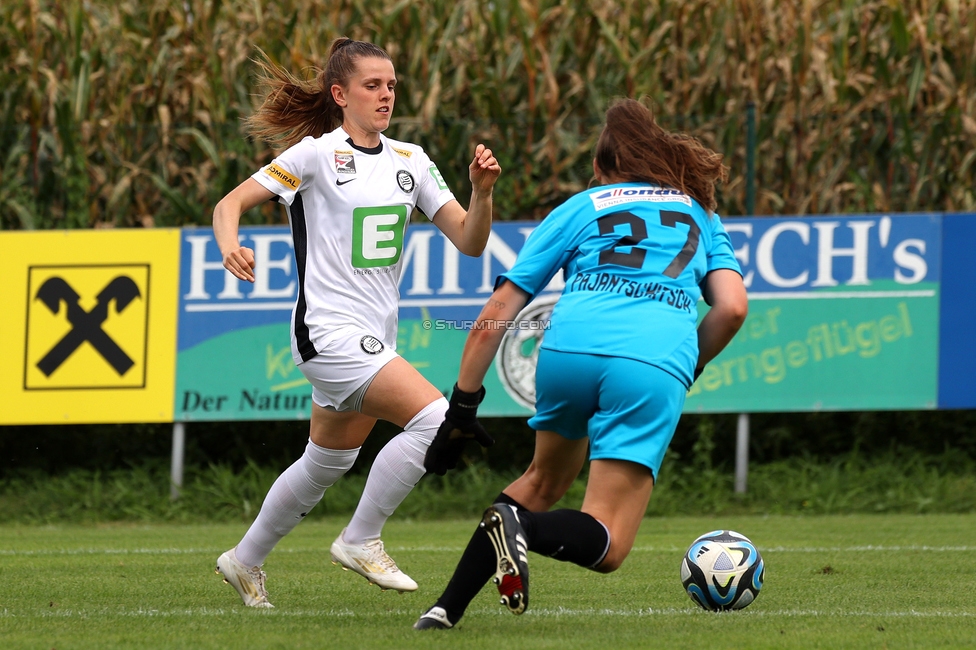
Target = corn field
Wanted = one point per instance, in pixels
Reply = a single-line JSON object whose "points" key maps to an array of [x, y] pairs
{"points": [[127, 113]]}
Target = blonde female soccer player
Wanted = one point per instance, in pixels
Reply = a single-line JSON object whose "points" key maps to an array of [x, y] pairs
{"points": [[349, 192]]}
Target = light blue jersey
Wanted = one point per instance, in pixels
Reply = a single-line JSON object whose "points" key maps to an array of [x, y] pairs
{"points": [[634, 256]]}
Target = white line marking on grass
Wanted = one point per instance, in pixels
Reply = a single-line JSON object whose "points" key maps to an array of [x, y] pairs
{"points": [[559, 612], [457, 549], [833, 549], [868, 547], [671, 611], [112, 551], [198, 551]]}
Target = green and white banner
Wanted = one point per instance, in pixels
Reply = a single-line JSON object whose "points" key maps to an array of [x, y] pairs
{"points": [[844, 315]]}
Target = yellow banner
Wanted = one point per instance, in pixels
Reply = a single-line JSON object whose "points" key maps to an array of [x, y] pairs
{"points": [[89, 329]]}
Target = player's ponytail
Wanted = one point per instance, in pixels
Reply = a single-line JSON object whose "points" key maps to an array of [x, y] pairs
{"points": [[295, 108], [634, 148]]}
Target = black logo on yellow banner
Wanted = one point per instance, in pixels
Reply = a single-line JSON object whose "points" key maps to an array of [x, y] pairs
{"points": [[86, 327]]}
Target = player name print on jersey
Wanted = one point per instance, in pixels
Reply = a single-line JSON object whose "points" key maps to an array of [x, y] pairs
{"points": [[86, 327]]}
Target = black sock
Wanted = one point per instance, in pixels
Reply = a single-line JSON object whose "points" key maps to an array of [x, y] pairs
{"points": [[476, 567], [566, 535]]}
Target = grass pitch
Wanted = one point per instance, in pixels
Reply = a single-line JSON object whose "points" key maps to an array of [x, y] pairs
{"points": [[875, 581]]}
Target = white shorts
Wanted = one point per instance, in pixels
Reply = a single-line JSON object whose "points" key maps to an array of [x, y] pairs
{"points": [[341, 373]]}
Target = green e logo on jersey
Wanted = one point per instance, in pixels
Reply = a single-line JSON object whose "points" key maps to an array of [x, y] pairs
{"points": [[436, 175], [377, 235]]}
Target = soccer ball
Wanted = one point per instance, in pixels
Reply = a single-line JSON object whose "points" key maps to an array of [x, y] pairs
{"points": [[722, 570]]}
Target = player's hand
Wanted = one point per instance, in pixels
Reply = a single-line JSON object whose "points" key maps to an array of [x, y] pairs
{"points": [[460, 426], [483, 170], [240, 262]]}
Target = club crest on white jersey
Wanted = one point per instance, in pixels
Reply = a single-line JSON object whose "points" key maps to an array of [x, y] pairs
{"points": [[371, 344], [405, 181]]}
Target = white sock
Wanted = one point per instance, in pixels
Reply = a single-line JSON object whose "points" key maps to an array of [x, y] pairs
{"points": [[397, 469], [293, 494]]}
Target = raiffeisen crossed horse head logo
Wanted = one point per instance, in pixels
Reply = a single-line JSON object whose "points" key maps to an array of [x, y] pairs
{"points": [[86, 327]]}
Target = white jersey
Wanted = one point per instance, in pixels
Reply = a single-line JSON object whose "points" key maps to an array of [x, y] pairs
{"points": [[348, 207]]}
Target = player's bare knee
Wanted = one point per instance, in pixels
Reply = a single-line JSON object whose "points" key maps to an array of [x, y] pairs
{"points": [[615, 557], [610, 563]]}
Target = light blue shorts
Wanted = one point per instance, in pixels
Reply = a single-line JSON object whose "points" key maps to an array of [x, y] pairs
{"points": [[629, 409]]}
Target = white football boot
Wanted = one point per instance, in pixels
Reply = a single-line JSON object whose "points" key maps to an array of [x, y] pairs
{"points": [[371, 561], [249, 583]]}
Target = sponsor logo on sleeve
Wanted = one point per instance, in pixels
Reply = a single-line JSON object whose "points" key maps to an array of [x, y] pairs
{"points": [[345, 162], [403, 152], [282, 176], [603, 199], [436, 175]]}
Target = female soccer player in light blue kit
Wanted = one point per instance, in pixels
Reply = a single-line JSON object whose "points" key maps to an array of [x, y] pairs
{"points": [[620, 353]]}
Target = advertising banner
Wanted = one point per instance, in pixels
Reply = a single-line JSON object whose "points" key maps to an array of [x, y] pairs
{"points": [[89, 328], [844, 314], [233, 356]]}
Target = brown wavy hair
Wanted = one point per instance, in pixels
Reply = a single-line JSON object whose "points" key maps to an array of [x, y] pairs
{"points": [[633, 148], [294, 108]]}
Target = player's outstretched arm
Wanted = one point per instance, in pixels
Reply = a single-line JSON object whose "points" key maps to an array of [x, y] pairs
{"points": [[461, 419], [724, 291], [238, 259], [468, 230], [486, 334]]}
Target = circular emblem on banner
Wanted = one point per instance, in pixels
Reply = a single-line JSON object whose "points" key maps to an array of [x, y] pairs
{"points": [[405, 181], [371, 344], [519, 351]]}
